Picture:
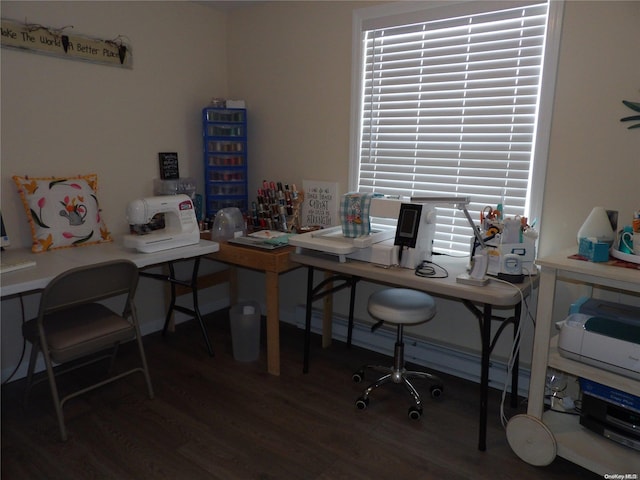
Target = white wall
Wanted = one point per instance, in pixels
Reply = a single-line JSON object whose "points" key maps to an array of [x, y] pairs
{"points": [[593, 158], [64, 117], [291, 62]]}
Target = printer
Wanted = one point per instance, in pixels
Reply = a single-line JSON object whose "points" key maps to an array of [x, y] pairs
{"points": [[603, 334]]}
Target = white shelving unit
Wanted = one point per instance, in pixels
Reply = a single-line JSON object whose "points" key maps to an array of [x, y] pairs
{"points": [[567, 437]]}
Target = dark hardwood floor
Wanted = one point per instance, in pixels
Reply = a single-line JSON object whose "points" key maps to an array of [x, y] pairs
{"points": [[215, 418]]}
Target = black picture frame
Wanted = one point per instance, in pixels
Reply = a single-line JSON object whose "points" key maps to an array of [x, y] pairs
{"points": [[169, 165]]}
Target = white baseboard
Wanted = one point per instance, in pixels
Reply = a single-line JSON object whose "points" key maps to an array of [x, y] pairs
{"points": [[420, 351]]}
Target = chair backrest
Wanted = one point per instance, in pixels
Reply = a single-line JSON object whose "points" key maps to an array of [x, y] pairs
{"points": [[89, 284]]}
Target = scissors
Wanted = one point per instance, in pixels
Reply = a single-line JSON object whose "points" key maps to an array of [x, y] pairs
{"points": [[488, 213]]}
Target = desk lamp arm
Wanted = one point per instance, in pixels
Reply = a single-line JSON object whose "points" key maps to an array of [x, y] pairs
{"points": [[461, 204], [477, 276]]}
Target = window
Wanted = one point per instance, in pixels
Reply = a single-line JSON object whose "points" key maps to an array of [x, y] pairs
{"points": [[451, 100]]}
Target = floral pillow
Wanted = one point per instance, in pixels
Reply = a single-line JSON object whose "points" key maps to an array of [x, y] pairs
{"points": [[62, 212]]}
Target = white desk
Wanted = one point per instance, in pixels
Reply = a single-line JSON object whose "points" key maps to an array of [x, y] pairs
{"points": [[493, 294], [31, 278], [51, 264]]}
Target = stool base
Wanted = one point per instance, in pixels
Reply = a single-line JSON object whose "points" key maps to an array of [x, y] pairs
{"points": [[398, 374]]}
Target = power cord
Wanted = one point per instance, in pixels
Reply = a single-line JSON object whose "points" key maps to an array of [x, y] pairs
{"points": [[568, 406], [430, 269], [515, 349], [427, 268], [24, 346]]}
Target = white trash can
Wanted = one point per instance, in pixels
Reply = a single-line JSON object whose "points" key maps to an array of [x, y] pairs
{"points": [[245, 331]]}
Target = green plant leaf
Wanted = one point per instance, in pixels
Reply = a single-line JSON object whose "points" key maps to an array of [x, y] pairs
{"points": [[83, 239], [36, 219], [632, 105], [55, 182]]}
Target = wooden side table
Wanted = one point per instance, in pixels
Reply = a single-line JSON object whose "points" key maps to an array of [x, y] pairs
{"points": [[272, 263]]}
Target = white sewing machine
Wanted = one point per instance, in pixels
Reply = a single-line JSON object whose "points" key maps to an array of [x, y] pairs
{"points": [[402, 226], [161, 223]]}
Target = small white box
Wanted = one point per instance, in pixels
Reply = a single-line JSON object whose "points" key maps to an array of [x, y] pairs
{"points": [[183, 185], [525, 250], [235, 104]]}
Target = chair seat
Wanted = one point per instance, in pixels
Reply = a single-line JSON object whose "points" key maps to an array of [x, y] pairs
{"points": [[70, 336], [401, 306]]}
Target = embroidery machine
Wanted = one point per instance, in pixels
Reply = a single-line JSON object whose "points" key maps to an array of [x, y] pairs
{"points": [[162, 222], [414, 230], [414, 235]]}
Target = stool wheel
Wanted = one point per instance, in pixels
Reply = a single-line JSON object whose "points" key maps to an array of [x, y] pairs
{"points": [[362, 403], [436, 391], [415, 413], [358, 376]]}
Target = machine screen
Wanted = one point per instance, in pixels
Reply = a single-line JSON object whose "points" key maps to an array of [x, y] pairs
{"points": [[408, 225], [4, 240]]}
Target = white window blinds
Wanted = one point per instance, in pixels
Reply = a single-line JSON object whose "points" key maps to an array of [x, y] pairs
{"points": [[449, 107]]}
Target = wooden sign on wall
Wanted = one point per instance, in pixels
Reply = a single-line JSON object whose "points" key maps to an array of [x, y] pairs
{"points": [[39, 39]]}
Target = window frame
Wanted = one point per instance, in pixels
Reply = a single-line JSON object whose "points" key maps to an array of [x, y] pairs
{"points": [[390, 14]]}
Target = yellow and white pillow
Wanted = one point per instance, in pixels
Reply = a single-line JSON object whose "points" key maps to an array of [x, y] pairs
{"points": [[62, 211]]}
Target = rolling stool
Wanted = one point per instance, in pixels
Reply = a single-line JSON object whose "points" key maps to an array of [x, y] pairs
{"points": [[400, 307]]}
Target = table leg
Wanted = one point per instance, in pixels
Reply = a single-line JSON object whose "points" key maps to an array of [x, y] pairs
{"points": [[195, 310], [233, 284], [327, 314], [273, 323], [515, 370], [322, 290], [307, 327], [196, 306], [485, 333], [352, 304], [170, 325], [168, 321]]}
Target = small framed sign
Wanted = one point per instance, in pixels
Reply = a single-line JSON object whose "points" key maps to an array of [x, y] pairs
{"points": [[168, 165], [320, 205]]}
